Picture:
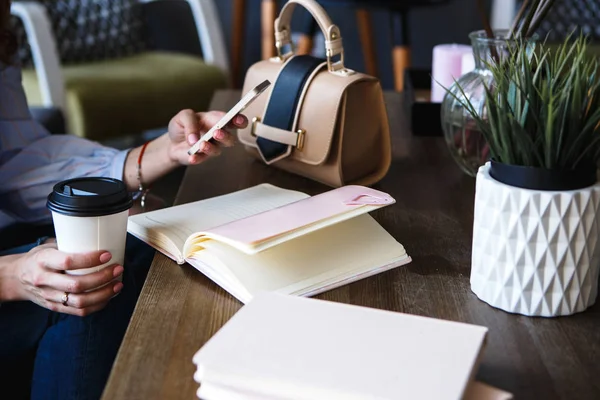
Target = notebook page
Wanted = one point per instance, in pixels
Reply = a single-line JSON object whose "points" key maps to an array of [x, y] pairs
{"points": [[179, 222], [221, 276], [353, 245], [262, 231]]}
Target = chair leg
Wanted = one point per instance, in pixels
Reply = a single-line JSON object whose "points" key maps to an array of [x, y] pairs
{"points": [[238, 28], [401, 61], [305, 44], [401, 50], [268, 15], [308, 29], [365, 31]]}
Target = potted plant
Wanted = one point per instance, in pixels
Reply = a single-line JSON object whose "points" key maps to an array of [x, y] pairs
{"points": [[536, 233]]}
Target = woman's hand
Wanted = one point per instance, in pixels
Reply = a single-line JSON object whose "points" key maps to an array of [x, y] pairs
{"points": [[169, 151], [39, 276], [187, 127]]}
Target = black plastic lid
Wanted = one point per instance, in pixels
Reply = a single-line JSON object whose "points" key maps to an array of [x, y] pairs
{"points": [[89, 197]]}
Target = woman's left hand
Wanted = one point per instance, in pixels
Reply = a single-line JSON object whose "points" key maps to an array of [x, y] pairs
{"points": [[187, 127]]}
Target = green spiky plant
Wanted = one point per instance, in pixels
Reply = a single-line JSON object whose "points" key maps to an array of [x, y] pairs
{"points": [[543, 109]]}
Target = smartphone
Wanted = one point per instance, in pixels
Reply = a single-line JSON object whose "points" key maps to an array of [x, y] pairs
{"points": [[238, 108]]}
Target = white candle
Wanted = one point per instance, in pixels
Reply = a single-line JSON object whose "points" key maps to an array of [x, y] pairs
{"points": [[447, 67], [468, 63]]}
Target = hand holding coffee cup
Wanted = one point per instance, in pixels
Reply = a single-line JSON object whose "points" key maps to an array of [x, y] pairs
{"points": [[43, 278], [90, 222], [90, 214]]}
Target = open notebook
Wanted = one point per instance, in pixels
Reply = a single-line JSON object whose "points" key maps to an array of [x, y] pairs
{"points": [[266, 238], [283, 347]]}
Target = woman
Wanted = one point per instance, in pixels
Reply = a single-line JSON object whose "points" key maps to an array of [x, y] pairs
{"points": [[51, 348]]}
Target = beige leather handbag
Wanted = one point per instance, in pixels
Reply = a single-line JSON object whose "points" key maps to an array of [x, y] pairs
{"points": [[318, 119]]}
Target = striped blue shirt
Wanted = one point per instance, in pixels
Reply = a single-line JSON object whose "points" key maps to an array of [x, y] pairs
{"points": [[32, 160]]}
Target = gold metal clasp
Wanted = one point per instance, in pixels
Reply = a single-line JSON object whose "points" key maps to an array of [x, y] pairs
{"points": [[280, 44], [300, 139], [337, 67], [255, 121], [284, 56]]}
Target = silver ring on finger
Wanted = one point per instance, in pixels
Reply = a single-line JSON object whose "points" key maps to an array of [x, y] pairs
{"points": [[65, 299]]}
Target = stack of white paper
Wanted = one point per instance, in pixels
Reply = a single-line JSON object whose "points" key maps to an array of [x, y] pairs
{"points": [[289, 347]]}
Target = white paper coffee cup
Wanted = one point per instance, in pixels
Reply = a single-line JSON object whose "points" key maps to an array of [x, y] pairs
{"points": [[90, 214]]}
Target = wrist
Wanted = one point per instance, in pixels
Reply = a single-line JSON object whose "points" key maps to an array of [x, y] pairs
{"points": [[170, 152], [145, 164]]}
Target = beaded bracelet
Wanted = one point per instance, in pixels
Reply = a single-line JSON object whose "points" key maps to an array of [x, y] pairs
{"points": [[143, 190]]}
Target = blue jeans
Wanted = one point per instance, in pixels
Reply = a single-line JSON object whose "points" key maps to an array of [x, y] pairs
{"points": [[48, 355]]}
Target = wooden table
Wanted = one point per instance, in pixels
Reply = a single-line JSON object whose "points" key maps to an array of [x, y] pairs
{"points": [[180, 309]]}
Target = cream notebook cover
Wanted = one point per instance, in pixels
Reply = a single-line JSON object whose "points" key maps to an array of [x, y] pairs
{"points": [[267, 238], [285, 347]]}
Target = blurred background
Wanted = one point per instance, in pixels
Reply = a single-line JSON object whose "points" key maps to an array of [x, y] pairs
{"points": [[111, 69], [448, 22], [116, 71]]}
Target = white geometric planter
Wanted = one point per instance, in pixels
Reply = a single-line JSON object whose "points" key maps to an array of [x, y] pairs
{"points": [[535, 252]]}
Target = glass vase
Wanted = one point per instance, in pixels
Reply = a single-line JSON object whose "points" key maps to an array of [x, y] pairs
{"points": [[463, 138]]}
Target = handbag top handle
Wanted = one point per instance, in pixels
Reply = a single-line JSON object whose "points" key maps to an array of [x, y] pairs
{"points": [[333, 37]]}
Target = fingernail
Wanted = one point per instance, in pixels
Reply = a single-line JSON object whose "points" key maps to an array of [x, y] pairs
{"points": [[219, 135], [118, 286], [239, 120], [117, 271], [105, 257], [193, 138]]}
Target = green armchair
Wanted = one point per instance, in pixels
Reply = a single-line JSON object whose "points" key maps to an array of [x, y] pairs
{"points": [[120, 67]]}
